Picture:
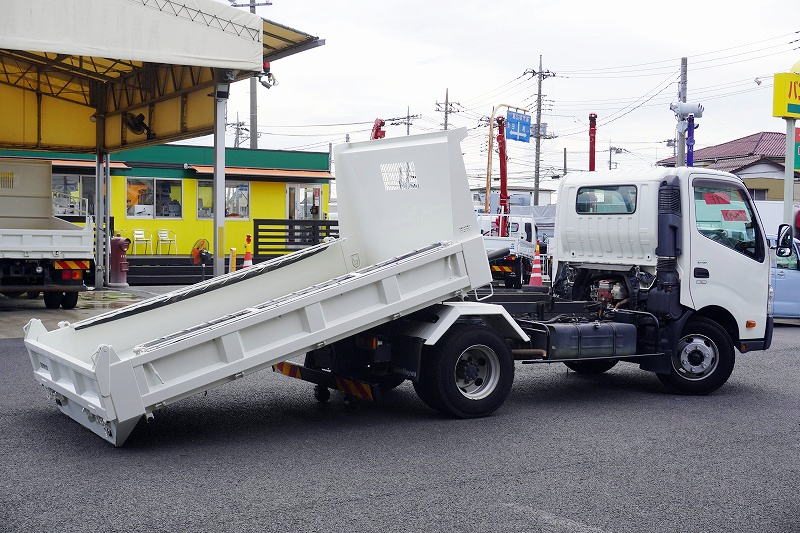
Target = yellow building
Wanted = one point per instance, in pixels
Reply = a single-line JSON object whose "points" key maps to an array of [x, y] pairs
{"points": [[163, 195]]}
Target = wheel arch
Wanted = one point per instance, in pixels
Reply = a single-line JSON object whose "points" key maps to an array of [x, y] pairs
{"points": [[494, 316], [723, 317]]}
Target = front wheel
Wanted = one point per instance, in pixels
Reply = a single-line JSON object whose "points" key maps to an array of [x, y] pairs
{"points": [[468, 373], [702, 361]]}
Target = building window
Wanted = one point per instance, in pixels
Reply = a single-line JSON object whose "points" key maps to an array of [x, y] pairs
{"points": [[304, 202], [758, 194], [73, 195], [237, 199], [169, 198], [154, 198], [606, 200]]}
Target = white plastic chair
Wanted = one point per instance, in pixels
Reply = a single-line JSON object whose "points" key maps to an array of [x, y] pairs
{"points": [[140, 236], [168, 238]]}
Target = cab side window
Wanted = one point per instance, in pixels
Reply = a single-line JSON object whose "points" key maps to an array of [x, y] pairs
{"points": [[724, 215]]}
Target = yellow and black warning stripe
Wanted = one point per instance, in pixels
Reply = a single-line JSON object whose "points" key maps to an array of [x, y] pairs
{"points": [[288, 369], [356, 389], [362, 391], [72, 264]]}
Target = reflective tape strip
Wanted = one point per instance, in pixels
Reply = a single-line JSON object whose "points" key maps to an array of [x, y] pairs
{"points": [[71, 265], [287, 369], [354, 388]]}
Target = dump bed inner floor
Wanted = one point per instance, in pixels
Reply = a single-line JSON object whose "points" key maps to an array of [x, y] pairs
{"points": [[202, 288]]}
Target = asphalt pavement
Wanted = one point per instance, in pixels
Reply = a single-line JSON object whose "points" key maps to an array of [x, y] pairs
{"points": [[566, 453]]}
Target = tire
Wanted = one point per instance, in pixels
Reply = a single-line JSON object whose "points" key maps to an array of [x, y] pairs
{"points": [[52, 300], [703, 360], [70, 300], [592, 367], [468, 374]]}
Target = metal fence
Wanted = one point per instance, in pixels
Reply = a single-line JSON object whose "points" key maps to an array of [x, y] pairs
{"points": [[274, 236]]}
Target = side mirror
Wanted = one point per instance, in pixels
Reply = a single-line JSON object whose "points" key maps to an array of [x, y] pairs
{"points": [[784, 242]]}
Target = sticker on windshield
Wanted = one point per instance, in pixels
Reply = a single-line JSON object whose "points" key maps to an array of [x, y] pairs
{"points": [[716, 198], [734, 215]]}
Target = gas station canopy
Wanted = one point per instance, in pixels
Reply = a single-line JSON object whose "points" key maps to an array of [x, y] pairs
{"points": [[106, 75]]}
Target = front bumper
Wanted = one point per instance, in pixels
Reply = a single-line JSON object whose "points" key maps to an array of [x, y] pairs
{"points": [[751, 345]]}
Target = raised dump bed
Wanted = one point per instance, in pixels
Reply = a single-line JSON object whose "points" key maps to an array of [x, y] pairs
{"points": [[408, 240]]}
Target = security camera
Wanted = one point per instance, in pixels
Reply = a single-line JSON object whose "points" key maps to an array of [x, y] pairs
{"points": [[267, 80], [684, 109]]}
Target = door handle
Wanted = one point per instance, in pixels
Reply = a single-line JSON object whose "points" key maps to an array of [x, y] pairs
{"points": [[701, 273], [780, 274]]}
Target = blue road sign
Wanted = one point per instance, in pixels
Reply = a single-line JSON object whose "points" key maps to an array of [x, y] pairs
{"points": [[518, 127]]}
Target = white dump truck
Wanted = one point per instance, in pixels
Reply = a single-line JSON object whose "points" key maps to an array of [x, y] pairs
{"points": [[655, 269], [40, 253]]}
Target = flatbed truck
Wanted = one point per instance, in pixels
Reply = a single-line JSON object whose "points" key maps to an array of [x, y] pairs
{"points": [[664, 268]]}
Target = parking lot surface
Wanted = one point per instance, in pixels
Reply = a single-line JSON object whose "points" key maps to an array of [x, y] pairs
{"points": [[566, 453]]}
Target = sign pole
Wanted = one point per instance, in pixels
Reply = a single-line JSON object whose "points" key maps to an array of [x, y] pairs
{"points": [[788, 174]]}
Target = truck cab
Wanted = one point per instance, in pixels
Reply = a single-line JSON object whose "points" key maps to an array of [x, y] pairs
{"points": [[683, 245]]}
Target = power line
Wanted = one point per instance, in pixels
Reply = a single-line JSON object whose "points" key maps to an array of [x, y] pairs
{"points": [[670, 60]]}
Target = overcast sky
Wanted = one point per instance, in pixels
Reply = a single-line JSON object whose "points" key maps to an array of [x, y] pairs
{"points": [[382, 56]]}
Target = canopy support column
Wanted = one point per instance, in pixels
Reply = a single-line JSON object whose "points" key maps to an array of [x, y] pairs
{"points": [[220, 105], [99, 204], [107, 218]]}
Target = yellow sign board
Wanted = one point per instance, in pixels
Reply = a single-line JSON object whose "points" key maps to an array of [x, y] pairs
{"points": [[786, 95]]}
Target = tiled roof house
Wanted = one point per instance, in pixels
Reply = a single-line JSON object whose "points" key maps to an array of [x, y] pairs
{"points": [[758, 159]]}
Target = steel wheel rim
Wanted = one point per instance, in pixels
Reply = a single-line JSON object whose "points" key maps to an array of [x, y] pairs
{"points": [[477, 372], [696, 358]]}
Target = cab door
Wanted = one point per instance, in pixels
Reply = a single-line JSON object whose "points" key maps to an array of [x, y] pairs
{"points": [[787, 285], [729, 264]]}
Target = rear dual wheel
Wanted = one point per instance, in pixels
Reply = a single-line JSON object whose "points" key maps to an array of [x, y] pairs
{"points": [[65, 300], [467, 374]]}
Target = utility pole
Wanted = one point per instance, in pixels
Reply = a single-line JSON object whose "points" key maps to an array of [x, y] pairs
{"points": [[540, 75], [682, 87], [447, 107], [615, 150], [565, 161], [398, 121], [238, 131], [252, 4]]}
